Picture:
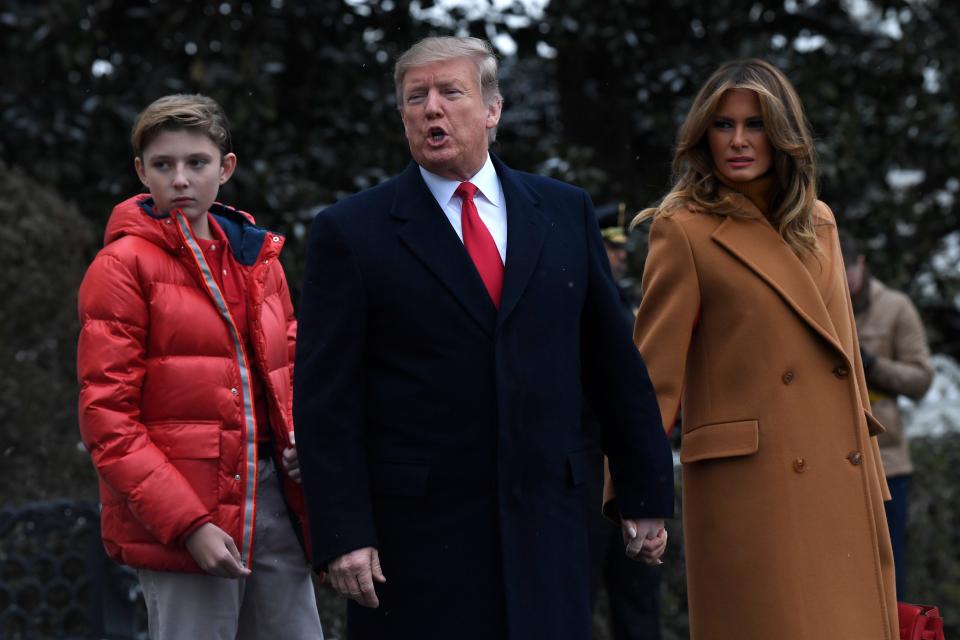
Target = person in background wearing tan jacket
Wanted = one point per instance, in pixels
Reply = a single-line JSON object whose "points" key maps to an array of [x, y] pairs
{"points": [[746, 318], [896, 360]]}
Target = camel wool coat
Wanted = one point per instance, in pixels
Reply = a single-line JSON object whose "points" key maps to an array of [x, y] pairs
{"points": [[783, 487]]}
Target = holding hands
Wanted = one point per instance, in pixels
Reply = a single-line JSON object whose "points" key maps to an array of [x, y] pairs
{"points": [[645, 539]]}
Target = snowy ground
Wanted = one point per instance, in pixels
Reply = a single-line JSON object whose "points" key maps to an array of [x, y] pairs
{"points": [[938, 413]]}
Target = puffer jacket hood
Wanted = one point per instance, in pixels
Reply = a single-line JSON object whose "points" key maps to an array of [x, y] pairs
{"points": [[166, 406], [137, 216]]}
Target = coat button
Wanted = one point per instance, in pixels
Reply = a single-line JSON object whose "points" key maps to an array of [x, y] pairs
{"points": [[799, 465], [841, 371], [788, 377], [237, 477], [276, 238], [855, 458], [234, 391]]}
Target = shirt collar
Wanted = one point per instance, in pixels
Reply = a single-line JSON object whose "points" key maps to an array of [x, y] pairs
{"points": [[484, 180], [219, 235]]}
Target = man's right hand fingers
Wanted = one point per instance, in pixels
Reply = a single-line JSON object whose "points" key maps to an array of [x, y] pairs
{"points": [[375, 565], [353, 574], [357, 586], [367, 595]]}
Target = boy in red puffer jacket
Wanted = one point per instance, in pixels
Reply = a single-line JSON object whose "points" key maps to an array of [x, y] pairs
{"points": [[185, 362]]}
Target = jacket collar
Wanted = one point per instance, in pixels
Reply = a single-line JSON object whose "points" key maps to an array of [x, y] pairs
{"points": [[526, 232], [427, 232], [485, 180], [752, 240], [138, 216], [247, 240]]}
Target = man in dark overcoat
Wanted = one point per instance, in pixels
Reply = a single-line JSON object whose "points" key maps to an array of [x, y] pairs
{"points": [[451, 319]]}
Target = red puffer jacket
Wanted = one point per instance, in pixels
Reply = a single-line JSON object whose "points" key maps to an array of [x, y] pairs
{"points": [[166, 409]]}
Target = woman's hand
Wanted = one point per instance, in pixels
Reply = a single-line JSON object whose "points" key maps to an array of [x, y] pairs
{"points": [[645, 539]]}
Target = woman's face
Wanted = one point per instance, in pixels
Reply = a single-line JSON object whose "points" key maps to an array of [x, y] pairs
{"points": [[739, 146]]}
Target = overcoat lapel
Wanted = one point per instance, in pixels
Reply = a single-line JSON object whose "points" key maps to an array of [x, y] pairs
{"points": [[777, 265], [526, 231], [428, 233]]}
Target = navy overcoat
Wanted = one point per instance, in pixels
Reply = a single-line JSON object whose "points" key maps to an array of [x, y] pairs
{"points": [[445, 432]]}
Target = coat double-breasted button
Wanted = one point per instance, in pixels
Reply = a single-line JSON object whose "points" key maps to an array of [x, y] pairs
{"points": [[855, 458], [234, 390], [787, 377], [799, 465], [841, 371]]}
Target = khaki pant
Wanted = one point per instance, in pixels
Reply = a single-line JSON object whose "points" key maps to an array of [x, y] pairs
{"points": [[275, 601]]}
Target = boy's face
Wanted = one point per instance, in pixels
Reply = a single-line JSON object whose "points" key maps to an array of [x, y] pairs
{"points": [[184, 170]]}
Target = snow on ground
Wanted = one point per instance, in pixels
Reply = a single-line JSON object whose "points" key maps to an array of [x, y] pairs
{"points": [[938, 413]]}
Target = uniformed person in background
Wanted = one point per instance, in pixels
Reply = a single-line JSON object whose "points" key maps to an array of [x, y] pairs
{"points": [[611, 220], [633, 588]]}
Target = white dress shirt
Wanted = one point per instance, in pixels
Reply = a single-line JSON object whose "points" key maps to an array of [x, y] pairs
{"points": [[489, 200]]}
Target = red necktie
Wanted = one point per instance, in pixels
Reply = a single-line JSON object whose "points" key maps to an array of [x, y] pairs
{"points": [[479, 243]]}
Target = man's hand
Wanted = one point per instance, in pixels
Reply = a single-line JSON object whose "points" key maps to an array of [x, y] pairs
{"points": [[352, 575], [216, 552], [646, 540]]}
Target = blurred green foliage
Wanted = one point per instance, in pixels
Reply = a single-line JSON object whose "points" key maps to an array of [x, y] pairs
{"points": [[594, 92], [48, 246], [875, 79], [933, 534]]}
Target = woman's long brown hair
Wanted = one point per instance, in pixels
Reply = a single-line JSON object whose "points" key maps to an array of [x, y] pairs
{"points": [[695, 185]]}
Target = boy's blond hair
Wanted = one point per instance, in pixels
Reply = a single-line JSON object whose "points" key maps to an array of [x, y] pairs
{"points": [[179, 112]]}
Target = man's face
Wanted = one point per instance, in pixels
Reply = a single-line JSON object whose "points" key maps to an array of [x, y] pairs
{"points": [[184, 170], [856, 275], [446, 119], [617, 255]]}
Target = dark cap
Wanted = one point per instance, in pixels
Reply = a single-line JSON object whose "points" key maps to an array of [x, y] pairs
{"points": [[610, 217]]}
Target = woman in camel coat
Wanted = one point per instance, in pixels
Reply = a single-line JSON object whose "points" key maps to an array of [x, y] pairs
{"points": [[746, 318]]}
